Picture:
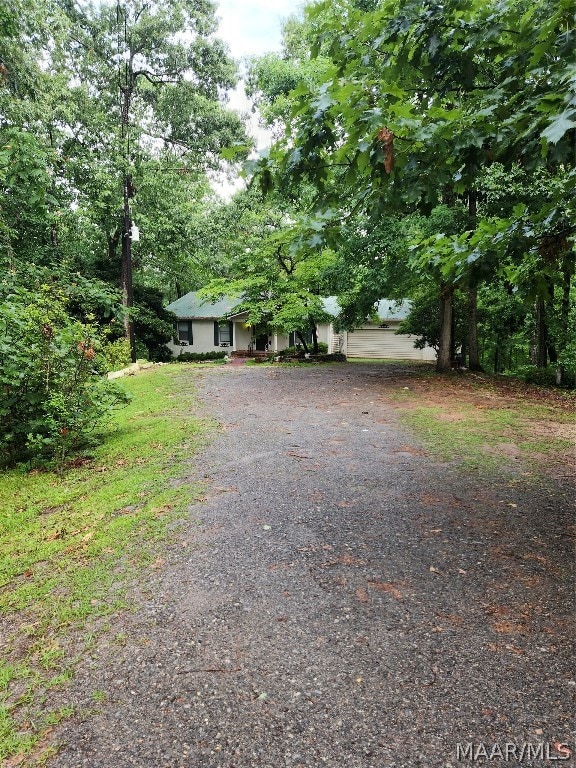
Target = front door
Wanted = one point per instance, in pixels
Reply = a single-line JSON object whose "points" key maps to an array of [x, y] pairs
{"points": [[261, 342]]}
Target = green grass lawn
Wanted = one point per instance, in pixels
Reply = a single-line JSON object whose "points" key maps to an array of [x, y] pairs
{"points": [[69, 544]]}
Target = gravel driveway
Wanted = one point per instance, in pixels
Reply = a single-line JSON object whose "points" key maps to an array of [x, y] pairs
{"points": [[344, 600]]}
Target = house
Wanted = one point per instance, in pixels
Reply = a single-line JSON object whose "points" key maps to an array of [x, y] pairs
{"points": [[205, 326], [201, 325]]}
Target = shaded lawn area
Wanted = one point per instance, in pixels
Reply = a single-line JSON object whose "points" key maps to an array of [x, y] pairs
{"points": [[486, 422], [70, 543]]}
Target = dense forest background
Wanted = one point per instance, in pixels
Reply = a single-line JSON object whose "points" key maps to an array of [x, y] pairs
{"points": [[420, 151]]}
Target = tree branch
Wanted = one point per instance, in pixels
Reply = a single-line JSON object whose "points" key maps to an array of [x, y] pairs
{"points": [[287, 266], [165, 77]]}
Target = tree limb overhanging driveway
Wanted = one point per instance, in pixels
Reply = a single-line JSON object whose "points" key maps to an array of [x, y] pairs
{"points": [[346, 600]]}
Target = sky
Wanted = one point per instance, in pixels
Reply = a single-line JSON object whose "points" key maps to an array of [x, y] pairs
{"points": [[253, 27]]}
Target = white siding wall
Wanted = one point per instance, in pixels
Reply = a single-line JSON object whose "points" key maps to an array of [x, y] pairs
{"points": [[203, 339], [282, 341], [336, 341], [324, 332], [242, 336], [368, 341]]}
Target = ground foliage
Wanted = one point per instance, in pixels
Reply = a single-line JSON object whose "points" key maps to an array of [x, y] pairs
{"points": [[71, 541]]}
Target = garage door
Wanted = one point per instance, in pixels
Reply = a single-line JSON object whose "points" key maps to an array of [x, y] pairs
{"points": [[382, 342]]}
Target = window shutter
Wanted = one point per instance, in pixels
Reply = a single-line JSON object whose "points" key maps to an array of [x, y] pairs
{"points": [[190, 337], [216, 334], [231, 325], [292, 339]]}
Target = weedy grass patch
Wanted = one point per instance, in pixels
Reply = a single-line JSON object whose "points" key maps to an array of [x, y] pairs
{"points": [[489, 438], [70, 543], [487, 423]]}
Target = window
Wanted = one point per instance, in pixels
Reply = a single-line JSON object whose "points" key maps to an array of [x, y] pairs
{"points": [[223, 334], [185, 332]]}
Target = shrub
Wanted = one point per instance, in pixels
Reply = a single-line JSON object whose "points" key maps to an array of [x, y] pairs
{"points": [[116, 355], [290, 351], [543, 377], [336, 357], [153, 325], [299, 350], [198, 357], [53, 398]]}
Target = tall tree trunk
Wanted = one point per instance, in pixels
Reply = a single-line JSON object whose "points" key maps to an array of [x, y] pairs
{"points": [[540, 350], [314, 336], [565, 305], [126, 274], [550, 346], [444, 362], [300, 335], [564, 314], [463, 352], [473, 349], [126, 86]]}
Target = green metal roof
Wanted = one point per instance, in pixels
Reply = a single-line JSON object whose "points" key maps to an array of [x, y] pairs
{"points": [[192, 305], [387, 309], [331, 306]]}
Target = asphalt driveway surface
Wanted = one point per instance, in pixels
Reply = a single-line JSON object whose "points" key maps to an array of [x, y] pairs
{"points": [[340, 599]]}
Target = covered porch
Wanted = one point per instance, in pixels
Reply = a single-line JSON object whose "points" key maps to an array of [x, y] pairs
{"points": [[255, 340]]}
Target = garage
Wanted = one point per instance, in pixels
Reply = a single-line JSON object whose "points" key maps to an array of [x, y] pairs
{"points": [[383, 342]]}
